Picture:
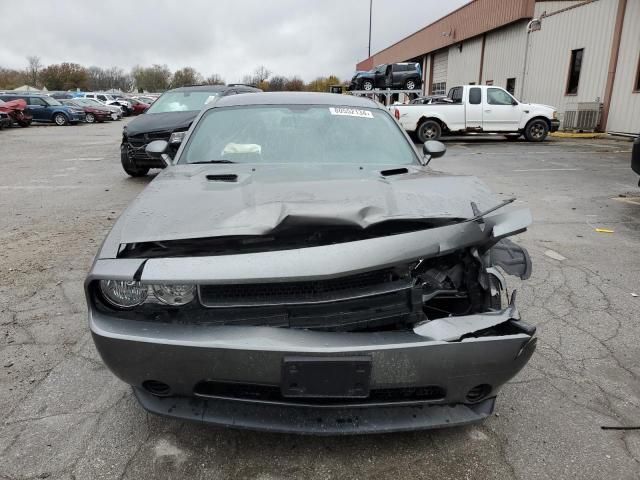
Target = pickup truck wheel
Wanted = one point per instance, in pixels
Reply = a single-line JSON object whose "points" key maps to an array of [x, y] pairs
{"points": [[129, 165], [536, 130], [367, 85], [410, 85], [429, 130], [60, 119]]}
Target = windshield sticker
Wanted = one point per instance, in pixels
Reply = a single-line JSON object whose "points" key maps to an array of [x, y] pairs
{"points": [[350, 112]]}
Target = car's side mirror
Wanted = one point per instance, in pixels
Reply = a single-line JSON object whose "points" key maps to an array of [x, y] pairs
{"points": [[158, 149], [514, 103], [432, 149]]}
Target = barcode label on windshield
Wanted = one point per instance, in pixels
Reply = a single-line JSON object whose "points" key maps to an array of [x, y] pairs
{"points": [[350, 112]]}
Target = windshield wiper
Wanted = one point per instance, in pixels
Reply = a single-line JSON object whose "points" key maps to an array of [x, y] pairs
{"points": [[212, 161]]}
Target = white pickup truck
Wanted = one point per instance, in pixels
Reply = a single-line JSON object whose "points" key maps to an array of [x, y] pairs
{"points": [[477, 109]]}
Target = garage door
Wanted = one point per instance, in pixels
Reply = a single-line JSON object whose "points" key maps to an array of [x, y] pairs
{"points": [[440, 63]]}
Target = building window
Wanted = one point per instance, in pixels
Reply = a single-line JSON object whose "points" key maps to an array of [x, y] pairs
{"points": [[439, 88], [489, 82], [511, 86], [575, 65]]}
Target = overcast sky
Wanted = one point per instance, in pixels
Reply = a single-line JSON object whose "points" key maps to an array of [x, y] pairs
{"points": [[308, 38]]}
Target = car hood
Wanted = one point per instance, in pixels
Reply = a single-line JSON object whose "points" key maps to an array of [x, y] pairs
{"points": [[154, 122], [199, 201]]}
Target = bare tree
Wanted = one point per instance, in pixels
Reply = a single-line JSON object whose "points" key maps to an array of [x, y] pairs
{"points": [[214, 79], [33, 70]]}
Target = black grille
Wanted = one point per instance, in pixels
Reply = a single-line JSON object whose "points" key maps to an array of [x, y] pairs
{"points": [[137, 143], [354, 286], [268, 393]]}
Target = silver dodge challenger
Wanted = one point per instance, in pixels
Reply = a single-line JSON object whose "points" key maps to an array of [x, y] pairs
{"points": [[299, 267]]}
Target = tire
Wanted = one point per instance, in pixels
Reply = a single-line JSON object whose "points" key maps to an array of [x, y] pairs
{"points": [[60, 119], [410, 85], [129, 165], [429, 130], [24, 123], [536, 130], [90, 118], [367, 85]]}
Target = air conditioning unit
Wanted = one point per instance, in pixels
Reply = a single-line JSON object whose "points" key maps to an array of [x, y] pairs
{"points": [[583, 116]]}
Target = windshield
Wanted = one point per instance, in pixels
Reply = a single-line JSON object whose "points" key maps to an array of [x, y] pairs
{"points": [[182, 101], [298, 134], [90, 102], [51, 101]]}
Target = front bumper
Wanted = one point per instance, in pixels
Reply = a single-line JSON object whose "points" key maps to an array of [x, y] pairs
{"points": [[554, 125], [77, 117], [185, 357]]}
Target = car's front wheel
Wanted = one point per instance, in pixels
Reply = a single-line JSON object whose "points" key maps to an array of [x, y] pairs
{"points": [[536, 130], [90, 118], [129, 165], [60, 119], [367, 85], [429, 130]]}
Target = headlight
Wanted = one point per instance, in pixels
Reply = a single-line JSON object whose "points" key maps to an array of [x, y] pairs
{"points": [[123, 293], [175, 295], [177, 137]]}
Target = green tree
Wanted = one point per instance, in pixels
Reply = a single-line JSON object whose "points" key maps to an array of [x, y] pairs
{"points": [[186, 76], [64, 76], [156, 78]]}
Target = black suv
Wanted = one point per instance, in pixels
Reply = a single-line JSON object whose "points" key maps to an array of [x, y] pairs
{"points": [[401, 76], [168, 119]]}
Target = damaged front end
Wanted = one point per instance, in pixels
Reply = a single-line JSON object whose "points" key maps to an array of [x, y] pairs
{"points": [[323, 329]]}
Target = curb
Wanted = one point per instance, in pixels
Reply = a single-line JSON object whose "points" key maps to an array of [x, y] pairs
{"points": [[578, 135]]}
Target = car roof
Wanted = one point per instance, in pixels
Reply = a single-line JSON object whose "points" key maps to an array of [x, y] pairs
{"points": [[294, 98], [214, 88]]}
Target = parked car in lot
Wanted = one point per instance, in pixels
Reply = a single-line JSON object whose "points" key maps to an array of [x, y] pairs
{"points": [[167, 119], [93, 113], [298, 268], [478, 109], [116, 111], [146, 99], [47, 109], [17, 112], [404, 76], [108, 99], [138, 106], [635, 157]]}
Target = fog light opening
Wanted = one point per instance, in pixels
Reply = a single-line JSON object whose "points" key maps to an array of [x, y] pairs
{"points": [[478, 392], [156, 388]]}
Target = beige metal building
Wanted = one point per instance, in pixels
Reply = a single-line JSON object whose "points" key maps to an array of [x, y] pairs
{"points": [[580, 56]]}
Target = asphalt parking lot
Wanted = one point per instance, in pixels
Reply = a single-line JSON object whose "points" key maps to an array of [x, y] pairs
{"points": [[66, 417]]}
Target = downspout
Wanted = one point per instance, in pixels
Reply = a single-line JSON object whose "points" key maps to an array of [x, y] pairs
{"points": [[613, 64], [530, 26], [484, 41]]}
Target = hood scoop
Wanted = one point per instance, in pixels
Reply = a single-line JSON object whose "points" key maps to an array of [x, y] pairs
{"points": [[394, 171], [231, 177]]}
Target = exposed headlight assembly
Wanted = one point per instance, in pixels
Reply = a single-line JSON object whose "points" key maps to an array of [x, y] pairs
{"points": [[175, 295], [177, 137], [126, 294], [123, 293]]}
